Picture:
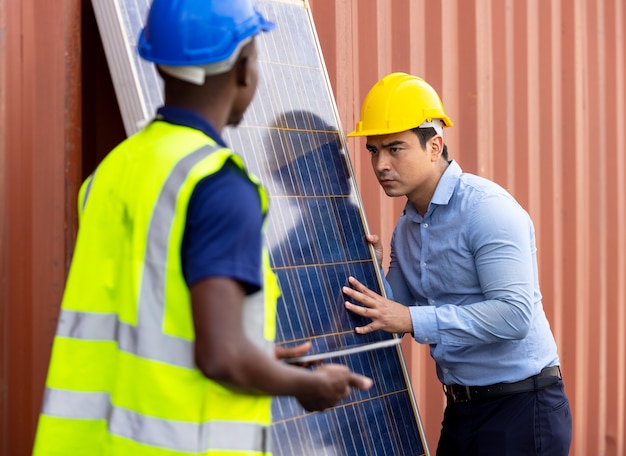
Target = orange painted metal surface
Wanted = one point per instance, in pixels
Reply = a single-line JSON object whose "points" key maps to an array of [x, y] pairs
{"points": [[537, 91], [39, 150]]}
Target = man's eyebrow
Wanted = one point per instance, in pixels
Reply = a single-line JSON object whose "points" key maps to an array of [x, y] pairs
{"points": [[397, 142]]}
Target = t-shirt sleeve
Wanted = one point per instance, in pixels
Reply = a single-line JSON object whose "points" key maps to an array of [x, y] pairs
{"points": [[223, 235]]}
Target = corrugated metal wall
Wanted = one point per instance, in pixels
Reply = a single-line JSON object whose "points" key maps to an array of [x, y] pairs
{"points": [[39, 151], [536, 89]]}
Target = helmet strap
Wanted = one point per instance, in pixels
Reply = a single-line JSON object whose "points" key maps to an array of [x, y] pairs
{"points": [[197, 74], [434, 123]]}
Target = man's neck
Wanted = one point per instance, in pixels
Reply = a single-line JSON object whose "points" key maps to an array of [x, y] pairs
{"points": [[422, 199]]}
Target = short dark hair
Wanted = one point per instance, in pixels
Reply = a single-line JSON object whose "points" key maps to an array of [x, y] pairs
{"points": [[424, 135]]}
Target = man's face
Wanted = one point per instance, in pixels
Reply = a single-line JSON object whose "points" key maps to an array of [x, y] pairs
{"points": [[402, 166]]}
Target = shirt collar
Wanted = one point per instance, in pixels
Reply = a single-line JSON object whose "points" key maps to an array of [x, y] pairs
{"points": [[191, 119], [447, 184]]}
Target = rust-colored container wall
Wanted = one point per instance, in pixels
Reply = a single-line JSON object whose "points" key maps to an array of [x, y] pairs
{"points": [[39, 151], [537, 91]]}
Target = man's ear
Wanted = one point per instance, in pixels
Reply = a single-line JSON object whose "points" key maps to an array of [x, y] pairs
{"points": [[242, 69], [435, 146]]}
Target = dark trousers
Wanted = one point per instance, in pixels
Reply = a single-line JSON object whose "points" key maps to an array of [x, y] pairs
{"points": [[521, 424]]}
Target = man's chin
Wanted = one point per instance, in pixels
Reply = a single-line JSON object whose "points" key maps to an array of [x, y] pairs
{"points": [[235, 120], [393, 193]]}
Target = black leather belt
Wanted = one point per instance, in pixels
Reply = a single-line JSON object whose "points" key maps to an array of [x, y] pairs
{"points": [[547, 377]]}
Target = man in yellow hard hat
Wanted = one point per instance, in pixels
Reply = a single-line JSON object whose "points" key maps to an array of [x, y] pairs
{"points": [[165, 342], [464, 278]]}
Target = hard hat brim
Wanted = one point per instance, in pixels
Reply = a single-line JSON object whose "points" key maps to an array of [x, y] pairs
{"points": [[360, 131]]}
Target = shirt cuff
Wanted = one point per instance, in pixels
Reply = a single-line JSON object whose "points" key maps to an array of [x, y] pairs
{"points": [[425, 328]]}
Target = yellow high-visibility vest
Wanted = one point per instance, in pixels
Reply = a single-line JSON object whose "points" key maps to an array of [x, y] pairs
{"points": [[122, 378]]}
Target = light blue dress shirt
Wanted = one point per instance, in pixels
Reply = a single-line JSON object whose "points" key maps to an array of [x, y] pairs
{"points": [[468, 269]]}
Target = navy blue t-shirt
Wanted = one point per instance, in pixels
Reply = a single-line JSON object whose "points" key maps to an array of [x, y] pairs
{"points": [[224, 218]]}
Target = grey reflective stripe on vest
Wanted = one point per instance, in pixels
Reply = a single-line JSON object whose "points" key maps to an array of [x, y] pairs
{"points": [[170, 434], [147, 340], [131, 339], [154, 344], [254, 321], [87, 190]]}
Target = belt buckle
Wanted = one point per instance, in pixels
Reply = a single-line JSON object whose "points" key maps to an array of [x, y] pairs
{"points": [[459, 393]]}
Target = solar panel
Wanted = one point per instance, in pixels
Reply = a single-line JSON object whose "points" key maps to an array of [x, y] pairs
{"points": [[291, 139]]}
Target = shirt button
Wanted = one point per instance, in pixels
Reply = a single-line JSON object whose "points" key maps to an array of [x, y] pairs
{"points": [[425, 339], [425, 225], [445, 371], [424, 264], [431, 302]]}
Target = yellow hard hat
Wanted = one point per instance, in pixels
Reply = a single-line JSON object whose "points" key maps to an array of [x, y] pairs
{"points": [[399, 102]]}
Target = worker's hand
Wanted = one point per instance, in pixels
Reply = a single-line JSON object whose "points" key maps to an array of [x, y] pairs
{"points": [[282, 352], [385, 314], [374, 239], [335, 383]]}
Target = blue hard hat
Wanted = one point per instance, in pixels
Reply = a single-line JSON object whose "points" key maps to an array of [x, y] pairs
{"points": [[198, 32]]}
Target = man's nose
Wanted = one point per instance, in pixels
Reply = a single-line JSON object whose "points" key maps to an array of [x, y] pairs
{"points": [[381, 162]]}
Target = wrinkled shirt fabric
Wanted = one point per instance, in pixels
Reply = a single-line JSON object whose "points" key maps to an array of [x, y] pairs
{"points": [[468, 271]]}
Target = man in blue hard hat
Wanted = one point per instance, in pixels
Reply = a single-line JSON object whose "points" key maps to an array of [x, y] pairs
{"points": [[165, 339]]}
